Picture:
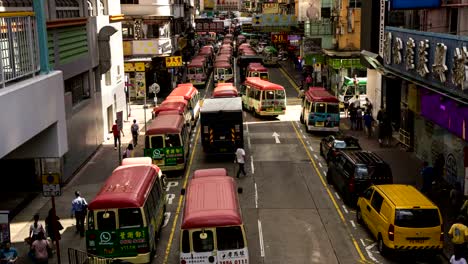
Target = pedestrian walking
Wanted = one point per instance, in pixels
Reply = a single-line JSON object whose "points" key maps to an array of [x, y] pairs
{"points": [[457, 259], [8, 254], [240, 160], [116, 131], [79, 207], [53, 226], [368, 121], [128, 153], [427, 178], [352, 116], [40, 249], [35, 228], [359, 119], [135, 131], [368, 106], [458, 233]]}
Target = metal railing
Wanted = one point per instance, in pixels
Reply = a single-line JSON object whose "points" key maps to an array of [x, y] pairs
{"points": [[76, 256], [19, 52]]}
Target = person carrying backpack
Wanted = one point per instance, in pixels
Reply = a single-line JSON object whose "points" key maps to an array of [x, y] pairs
{"points": [[135, 130], [79, 208]]}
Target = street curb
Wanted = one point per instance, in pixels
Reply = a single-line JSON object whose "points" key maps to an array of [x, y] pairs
{"points": [[289, 74]]}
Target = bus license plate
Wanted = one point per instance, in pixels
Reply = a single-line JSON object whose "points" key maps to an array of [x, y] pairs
{"points": [[270, 109], [222, 137], [416, 241], [318, 123]]}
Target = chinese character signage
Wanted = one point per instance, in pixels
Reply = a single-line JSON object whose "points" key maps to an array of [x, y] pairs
{"points": [[207, 25], [165, 156], [120, 242], [173, 61], [273, 22], [51, 184], [270, 8], [438, 60]]}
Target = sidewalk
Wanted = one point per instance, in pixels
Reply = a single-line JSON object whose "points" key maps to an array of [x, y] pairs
{"points": [[405, 165], [88, 180]]}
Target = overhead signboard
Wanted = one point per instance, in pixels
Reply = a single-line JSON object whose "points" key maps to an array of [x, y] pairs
{"points": [[414, 4], [173, 61], [209, 26], [270, 8], [279, 38], [247, 27]]}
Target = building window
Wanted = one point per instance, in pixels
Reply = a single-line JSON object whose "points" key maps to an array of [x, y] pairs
{"points": [[355, 3], [129, 2], [78, 88], [90, 8], [108, 77], [453, 21], [102, 7], [127, 31], [67, 8], [16, 3]]}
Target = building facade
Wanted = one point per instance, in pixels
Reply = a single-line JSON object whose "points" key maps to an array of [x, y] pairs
{"points": [[67, 122]]}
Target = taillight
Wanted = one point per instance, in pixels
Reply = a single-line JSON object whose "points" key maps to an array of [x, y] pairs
{"points": [[180, 160], [183, 261], [391, 232], [441, 233], [351, 184], [92, 237], [142, 250]]}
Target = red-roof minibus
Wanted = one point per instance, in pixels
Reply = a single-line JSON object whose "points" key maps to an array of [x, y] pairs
{"points": [[191, 94], [209, 172], [124, 219], [177, 103], [167, 142], [223, 72], [320, 110], [263, 97], [224, 91], [197, 71], [212, 226], [256, 69]]}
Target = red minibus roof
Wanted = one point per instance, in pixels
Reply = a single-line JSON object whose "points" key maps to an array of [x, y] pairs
{"points": [[225, 59], [262, 84], [224, 84], [211, 202], [170, 106], [166, 124], [199, 58], [225, 91], [175, 98], [196, 63], [186, 91], [320, 94], [222, 64], [257, 67], [185, 84], [127, 187], [136, 161], [209, 173]]}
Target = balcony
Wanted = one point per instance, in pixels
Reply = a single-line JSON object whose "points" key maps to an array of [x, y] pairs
{"points": [[318, 28], [19, 56]]}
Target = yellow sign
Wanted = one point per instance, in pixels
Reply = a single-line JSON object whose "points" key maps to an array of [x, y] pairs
{"points": [[174, 61], [52, 178], [140, 66], [209, 4], [270, 8]]}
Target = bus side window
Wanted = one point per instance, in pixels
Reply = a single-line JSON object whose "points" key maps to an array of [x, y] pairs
{"points": [[130, 218], [147, 214], [362, 89], [155, 192], [185, 242]]}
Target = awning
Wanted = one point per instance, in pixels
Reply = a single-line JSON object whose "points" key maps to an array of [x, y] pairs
{"points": [[373, 61], [336, 53]]}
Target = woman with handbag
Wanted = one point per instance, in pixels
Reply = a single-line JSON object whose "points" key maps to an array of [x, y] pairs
{"points": [[40, 249], [53, 226]]}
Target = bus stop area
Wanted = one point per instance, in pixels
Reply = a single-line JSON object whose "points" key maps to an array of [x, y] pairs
{"points": [[88, 181]]}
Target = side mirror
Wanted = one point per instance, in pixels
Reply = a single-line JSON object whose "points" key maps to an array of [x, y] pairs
{"points": [[182, 191], [239, 190], [164, 181]]}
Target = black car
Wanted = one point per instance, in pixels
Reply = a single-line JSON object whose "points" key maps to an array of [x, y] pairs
{"points": [[353, 171], [331, 144]]}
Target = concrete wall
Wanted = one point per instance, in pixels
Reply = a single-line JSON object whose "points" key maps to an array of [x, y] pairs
{"points": [[374, 89], [30, 107], [349, 37], [116, 87]]}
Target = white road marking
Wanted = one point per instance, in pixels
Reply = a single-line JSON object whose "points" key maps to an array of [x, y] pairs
{"points": [[303, 136], [276, 136], [324, 172], [256, 195], [337, 196], [353, 224], [362, 242], [315, 156], [308, 143], [171, 184], [252, 164], [248, 141], [311, 149], [170, 197], [369, 252], [320, 165], [345, 209], [167, 216], [260, 237]]}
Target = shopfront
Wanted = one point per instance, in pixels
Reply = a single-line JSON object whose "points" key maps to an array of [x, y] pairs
{"points": [[431, 79]]}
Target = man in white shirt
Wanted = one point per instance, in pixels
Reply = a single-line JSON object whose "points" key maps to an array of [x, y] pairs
{"points": [[240, 159]]}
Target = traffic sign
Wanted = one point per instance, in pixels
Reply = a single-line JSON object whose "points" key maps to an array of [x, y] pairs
{"points": [[51, 185], [174, 61]]}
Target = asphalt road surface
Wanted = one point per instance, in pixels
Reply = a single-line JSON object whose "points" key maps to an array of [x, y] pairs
{"points": [[291, 215]]}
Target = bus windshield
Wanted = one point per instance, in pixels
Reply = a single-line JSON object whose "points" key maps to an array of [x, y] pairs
{"points": [[264, 75], [229, 238], [272, 95]]}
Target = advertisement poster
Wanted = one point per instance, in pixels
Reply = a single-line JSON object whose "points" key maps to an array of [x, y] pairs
{"points": [[140, 84], [209, 4], [4, 227], [270, 8], [309, 10]]}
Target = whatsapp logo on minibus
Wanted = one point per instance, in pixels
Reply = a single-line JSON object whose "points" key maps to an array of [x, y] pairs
{"points": [[157, 154]]}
